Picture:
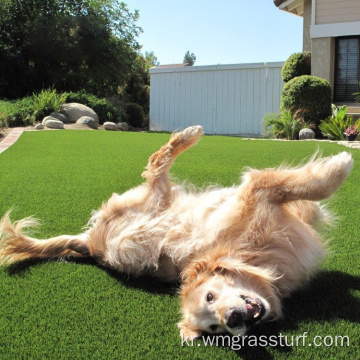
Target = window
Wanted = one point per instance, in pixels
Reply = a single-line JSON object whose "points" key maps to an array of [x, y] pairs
{"points": [[347, 71]]}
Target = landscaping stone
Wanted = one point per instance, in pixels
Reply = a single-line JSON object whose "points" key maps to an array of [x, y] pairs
{"points": [[39, 126], [110, 126], [123, 126], [306, 134], [60, 117], [46, 118], [54, 124], [88, 121], [74, 111]]}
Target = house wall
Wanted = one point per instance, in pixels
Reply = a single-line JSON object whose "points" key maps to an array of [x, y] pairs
{"points": [[323, 58], [337, 11], [224, 99]]}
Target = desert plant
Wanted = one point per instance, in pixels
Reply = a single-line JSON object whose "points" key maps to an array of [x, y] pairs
{"points": [[296, 65], [283, 125], [310, 94], [335, 125]]}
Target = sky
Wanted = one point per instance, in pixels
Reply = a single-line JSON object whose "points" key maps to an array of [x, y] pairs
{"points": [[217, 32]]}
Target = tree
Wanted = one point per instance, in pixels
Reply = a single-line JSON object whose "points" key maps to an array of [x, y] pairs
{"points": [[151, 59], [189, 58], [66, 44]]}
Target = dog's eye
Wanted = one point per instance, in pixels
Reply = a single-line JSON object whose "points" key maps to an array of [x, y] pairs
{"points": [[210, 297], [213, 328]]}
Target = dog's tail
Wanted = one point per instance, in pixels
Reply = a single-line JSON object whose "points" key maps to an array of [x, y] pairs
{"points": [[16, 246]]}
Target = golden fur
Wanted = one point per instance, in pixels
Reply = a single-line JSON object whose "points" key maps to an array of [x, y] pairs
{"points": [[238, 251]]}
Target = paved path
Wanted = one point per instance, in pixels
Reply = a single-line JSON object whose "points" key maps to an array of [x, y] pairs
{"points": [[11, 138]]}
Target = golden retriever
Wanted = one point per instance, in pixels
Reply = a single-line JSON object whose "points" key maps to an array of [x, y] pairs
{"points": [[237, 251]]}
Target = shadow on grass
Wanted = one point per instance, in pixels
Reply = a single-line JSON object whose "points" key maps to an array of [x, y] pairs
{"points": [[327, 297]]}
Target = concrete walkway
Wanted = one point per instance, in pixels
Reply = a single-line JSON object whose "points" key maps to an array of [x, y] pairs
{"points": [[10, 138]]}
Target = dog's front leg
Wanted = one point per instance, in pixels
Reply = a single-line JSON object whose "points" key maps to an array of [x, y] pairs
{"points": [[156, 173]]}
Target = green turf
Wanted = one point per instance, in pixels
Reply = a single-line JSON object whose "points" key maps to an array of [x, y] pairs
{"points": [[77, 310]]}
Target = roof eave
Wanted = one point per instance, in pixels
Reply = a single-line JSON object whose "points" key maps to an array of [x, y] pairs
{"points": [[295, 7]]}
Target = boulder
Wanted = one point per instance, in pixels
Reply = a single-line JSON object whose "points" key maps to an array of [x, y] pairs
{"points": [[54, 124], [110, 126], [123, 126], [74, 111], [60, 117], [88, 121], [306, 134], [46, 118], [39, 126]]}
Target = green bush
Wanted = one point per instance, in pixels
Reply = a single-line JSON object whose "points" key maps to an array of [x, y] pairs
{"points": [[283, 125], [309, 95], [46, 102], [297, 64], [334, 126], [105, 110], [135, 115], [17, 112]]}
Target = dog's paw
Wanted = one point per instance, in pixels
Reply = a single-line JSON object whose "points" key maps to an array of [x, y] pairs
{"points": [[192, 133], [341, 163]]}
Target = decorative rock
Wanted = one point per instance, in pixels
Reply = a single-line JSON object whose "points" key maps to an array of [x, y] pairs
{"points": [[46, 118], [110, 126], [74, 111], [306, 134], [60, 117], [88, 121], [54, 124], [123, 126], [39, 126]]}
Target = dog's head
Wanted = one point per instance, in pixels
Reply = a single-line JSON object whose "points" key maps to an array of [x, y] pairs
{"points": [[226, 296]]}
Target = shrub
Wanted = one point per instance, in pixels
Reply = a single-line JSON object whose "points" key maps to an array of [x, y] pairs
{"points": [[310, 95], [105, 110], [335, 126], [297, 64], [46, 102], [17, 112], [283, 125], [135, 115]]}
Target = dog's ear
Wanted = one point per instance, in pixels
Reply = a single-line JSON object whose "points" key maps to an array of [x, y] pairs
{"points": [[188, 332], [193, 271]]}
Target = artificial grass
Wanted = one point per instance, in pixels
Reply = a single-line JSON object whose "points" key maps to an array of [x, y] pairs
{"points": [[78, 310]]}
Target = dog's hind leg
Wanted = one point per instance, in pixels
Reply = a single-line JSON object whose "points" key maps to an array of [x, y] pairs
{"points": [[316, 180], [156, 173]]}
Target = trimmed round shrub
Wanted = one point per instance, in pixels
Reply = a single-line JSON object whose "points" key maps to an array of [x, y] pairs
{"points": [[135, 115], [309, 97], [297, 64]]}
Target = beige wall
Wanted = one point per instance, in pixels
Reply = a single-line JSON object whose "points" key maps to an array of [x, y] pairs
{"points": [[336, 11], [323, 58], [306, 25]]}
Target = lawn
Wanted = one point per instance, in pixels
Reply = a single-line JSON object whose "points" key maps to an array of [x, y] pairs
{"points": [[77, 310]]}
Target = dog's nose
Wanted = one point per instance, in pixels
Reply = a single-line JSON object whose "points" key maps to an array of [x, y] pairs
{"points": [[234, 318]]}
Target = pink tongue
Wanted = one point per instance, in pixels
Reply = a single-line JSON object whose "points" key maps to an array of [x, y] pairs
{"points": [[251, 312]]}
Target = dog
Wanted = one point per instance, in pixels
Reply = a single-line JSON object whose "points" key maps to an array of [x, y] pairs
{"points": [[237, 251]]}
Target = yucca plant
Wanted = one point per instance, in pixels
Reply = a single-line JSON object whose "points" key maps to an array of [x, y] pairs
{"points": [[335, 126], [284, 125]]}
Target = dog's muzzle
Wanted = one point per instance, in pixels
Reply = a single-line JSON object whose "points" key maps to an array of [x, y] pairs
{"points": [[235, 317]]}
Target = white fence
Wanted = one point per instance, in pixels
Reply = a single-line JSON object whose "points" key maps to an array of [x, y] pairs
{"points": [[224, 99]]}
